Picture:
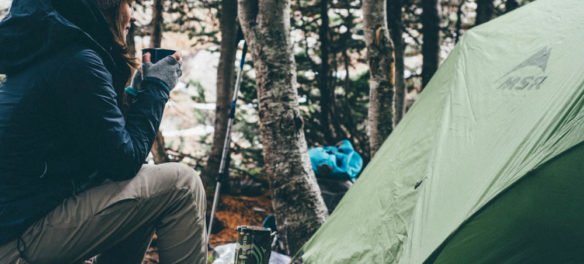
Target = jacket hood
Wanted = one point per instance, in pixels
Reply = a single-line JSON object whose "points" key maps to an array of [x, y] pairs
{"points": [[36, 28]]}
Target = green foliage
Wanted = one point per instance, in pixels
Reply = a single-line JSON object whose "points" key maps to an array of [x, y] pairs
{"points": [[347, 75], [248, 92], [346, 50], [199, 97], [247, 125], [198, 19]]}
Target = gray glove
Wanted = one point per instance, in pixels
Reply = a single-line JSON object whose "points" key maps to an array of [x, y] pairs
{"points": [[167, 70]]}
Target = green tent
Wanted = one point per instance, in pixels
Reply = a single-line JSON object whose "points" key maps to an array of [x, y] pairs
{"points": [[488, 165]]}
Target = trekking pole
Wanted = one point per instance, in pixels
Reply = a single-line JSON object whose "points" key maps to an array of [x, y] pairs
{"points": [[225, 152]]}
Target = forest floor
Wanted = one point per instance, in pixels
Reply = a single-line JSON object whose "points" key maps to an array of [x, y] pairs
{"points": [[233, 211]]}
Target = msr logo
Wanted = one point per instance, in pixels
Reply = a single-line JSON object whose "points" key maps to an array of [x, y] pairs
{"points": [[529, 75]]}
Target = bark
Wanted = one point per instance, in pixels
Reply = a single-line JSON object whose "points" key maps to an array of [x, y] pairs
{"points": [[394, 19], [337, 130], [157, 23], [130, 41], [158, 147], [431, 39], [511, 5], [381, 70], [326, 93], [225, 81], [485, 11], [296, 198]]}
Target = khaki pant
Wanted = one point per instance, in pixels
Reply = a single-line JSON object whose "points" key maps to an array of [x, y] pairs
{"points": [[116, 220]]}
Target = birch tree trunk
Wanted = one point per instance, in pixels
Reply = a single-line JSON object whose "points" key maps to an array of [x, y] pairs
{"points": [[381, 68], [485, 10], [297, 202], [158, 146], [225, 81], [394, 19], [431, 38]]}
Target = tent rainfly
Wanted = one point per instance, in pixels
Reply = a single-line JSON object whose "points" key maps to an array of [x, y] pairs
{"points": [[488, 165]]}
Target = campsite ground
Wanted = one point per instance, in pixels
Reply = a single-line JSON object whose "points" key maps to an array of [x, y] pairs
{"points": [[234, 211]]}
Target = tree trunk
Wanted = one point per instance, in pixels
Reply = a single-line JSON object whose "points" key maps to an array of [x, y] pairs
{"points": [[297, 202], [225, 81], [130, 41], [394, 19], [381, 70], [157, 23], [511, 5], [326, 93], [431, 38], [485, 10], [458, 30], [158, 147]]}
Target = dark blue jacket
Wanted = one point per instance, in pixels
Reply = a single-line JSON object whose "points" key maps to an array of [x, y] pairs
{"points": [[61, 125]]}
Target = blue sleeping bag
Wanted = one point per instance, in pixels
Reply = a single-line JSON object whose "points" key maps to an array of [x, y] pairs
{"points": [[338, 162]]}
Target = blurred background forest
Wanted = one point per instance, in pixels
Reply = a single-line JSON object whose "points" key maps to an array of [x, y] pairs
{"points": [[331, 63], [332, 68]]}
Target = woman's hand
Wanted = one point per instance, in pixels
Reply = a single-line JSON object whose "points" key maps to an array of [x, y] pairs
{"points": [[167, 70]]}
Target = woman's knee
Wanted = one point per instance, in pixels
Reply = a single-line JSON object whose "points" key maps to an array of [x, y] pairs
{"points": [[172, 177], [188, 178], [189, 183]]}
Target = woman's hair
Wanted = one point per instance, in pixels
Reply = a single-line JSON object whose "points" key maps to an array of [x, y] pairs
{"points": [[111, 12]]}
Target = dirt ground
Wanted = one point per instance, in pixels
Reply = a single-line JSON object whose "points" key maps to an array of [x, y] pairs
{"points": [[232, 212]]}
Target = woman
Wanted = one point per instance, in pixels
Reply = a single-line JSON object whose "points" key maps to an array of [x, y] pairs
{"points": [[72, 184]]}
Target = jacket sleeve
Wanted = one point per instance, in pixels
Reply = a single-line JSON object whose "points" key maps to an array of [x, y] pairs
{"points": [[121, 144]]}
